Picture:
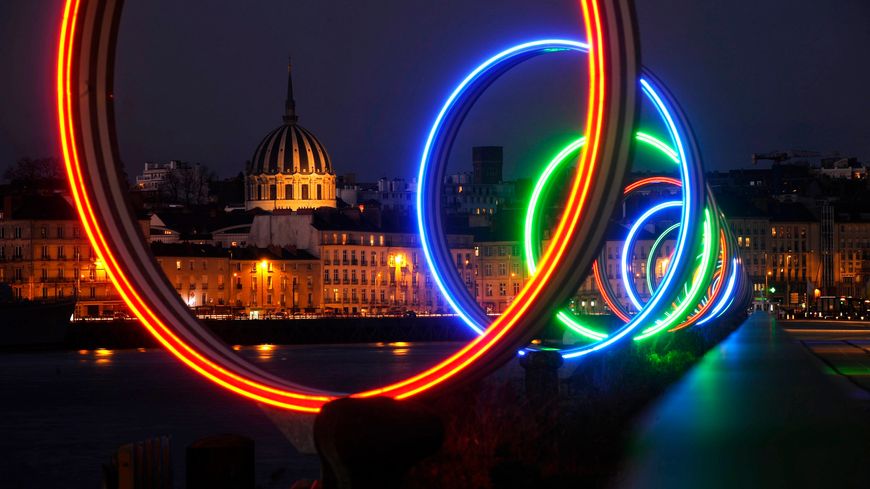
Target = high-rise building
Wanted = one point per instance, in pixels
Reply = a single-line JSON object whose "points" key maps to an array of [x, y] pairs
{"points": [[487, 162]]}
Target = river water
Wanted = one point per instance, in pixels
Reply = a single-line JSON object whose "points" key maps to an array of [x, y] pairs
{"points": [[63, 414]]}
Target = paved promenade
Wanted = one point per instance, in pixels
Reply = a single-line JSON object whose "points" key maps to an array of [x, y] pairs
{"points": [[759, 410]]}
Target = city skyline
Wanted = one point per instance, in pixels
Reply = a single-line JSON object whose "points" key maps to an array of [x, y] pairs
{"points": [[417, 244], [214, 109]]}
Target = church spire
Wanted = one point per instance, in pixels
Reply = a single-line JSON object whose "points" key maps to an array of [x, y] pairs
{"points": [[290, 116]]}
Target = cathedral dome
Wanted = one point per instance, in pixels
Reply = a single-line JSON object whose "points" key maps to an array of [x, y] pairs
{"points": [[290, 149], [290, 168]]}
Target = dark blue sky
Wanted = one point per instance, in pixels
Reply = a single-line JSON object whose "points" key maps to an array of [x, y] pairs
{"points": [[204, 80]]}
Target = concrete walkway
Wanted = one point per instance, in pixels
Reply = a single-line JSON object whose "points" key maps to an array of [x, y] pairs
{"points": [[757, 411]]}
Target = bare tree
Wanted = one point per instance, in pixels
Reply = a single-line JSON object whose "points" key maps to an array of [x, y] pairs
{"points": [[187, 185], [36, 173]]}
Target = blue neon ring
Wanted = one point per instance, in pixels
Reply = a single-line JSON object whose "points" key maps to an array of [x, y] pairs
{"points": [[465, 94]]}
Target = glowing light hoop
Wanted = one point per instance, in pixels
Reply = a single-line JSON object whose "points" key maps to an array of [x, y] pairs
{"points": [[629, 244], [532, 210], [86, 50], [436, 251]]}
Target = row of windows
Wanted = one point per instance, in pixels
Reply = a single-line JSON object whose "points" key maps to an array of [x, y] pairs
{"points": [[350, 257], [61, 292], [270, 192], [350, 276], [496, 250], [44, 232], [502, 269], [502, 289], [237, 266], [409, 240], [788, 232], [237, 282], [60, 274], [356, 296], [45, 252], [205, 299]]}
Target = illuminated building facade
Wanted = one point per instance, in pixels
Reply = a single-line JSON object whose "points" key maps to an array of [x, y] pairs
{"points": [[500, 274], [253, 281], [782, 253], [45, 256], [852, 261], [379, 272]]}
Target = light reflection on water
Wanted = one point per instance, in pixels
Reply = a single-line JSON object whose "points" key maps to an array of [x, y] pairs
{"points": [[346, 368], [66, 412], [342, 368], [99, 356]]}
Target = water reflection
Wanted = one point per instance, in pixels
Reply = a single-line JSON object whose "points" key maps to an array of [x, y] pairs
{"points": [[99, 356], [400, 348], [347, 367]]}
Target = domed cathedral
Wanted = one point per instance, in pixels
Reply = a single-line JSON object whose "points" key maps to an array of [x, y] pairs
{"points": [[290, 168]]}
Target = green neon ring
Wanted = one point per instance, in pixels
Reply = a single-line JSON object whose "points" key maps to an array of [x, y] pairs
{"points": [[531, 214]]}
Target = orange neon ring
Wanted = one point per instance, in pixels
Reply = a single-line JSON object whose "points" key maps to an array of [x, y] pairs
{"points": [[596, 267], [86, 124], [716, 289]]}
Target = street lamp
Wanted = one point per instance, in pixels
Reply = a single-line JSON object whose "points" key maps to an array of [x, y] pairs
{"points": [[399, 262], [264, 265]]}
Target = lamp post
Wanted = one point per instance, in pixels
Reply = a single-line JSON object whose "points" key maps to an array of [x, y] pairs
{"points": [[788, 280], [399, 263], [264, 265]]}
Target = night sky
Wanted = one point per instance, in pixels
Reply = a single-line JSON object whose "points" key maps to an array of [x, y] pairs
{"points": [[204, 80]]}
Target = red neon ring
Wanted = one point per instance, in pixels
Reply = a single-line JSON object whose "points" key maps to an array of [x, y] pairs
{"points": [[716, 289], [484, 349]]}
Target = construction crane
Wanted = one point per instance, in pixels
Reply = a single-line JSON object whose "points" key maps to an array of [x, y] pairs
{"points": [[780, 156]]}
